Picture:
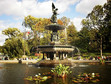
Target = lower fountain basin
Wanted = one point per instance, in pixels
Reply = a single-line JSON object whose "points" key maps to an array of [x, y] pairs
{"points": [[55, 48]]}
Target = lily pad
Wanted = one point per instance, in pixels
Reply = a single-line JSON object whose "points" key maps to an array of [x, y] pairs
{"points": [[87, 78], [45, 78]]}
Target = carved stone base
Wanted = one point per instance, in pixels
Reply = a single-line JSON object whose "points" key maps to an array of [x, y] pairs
{"points": [[54, 43]]}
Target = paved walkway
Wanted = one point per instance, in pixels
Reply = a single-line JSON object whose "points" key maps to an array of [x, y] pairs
{"points": [[83, 61], [16, 61], [35, 61]]}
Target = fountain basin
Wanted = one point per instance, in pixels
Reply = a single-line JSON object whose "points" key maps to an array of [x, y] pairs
{"points": [[54, 27], [55, 52], [55, 48]]}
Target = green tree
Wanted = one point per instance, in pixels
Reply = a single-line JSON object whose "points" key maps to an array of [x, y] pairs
{"points": [[87, 36], [0, 49], [107, 23], [14, 45], [37, 25], [12, 32], [71, 34], [83, 40], [65, 21], [96, 19], [99, 24], [63, 34]]}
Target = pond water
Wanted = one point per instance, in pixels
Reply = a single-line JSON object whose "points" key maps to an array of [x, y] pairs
{"points": [[15, 73]]}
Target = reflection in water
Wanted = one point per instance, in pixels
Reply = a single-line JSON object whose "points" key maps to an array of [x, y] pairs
{"points": [[60, 80], [83, 65], [15, 73]]}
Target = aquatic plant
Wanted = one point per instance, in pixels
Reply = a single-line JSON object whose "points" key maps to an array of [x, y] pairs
{"points": [[87, 78], [61, 70], [39, 78], [102, 61]]}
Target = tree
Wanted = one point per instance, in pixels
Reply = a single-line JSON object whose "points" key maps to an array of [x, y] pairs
{"points": [[88, 36], [37, 25], [71, 34], [12, 32], [14, 45], [63, 34], [107, 23], [30, 22], [65, 21], [96, 19], [83, 40], [0, 48]]}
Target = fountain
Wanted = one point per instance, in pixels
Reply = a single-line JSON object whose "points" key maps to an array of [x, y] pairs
{"points": [[55, 50]]}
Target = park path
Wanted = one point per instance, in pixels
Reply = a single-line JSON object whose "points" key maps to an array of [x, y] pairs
{"points": [[16, 61], [35, 61]]}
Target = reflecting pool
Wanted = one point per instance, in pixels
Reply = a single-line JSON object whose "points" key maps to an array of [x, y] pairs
{"points": [[15, 73]]}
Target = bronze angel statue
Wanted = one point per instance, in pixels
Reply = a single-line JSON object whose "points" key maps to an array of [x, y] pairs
{"points": [[54, 16]]}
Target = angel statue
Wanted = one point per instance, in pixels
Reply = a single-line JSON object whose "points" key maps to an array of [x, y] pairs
{"points": [[54, 16]]}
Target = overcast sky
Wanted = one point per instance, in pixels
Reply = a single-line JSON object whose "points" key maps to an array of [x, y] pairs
{"points": [[12, 12]]}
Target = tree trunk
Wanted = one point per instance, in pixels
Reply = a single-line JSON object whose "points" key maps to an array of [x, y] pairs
{"points": [[24, 50], [24, 46], [101, 46]]}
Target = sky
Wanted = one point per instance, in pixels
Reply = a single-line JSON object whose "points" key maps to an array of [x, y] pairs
{"points": [[12, 12]]}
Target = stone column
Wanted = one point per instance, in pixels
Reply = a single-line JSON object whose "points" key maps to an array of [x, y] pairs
{"points": [[55, 56], [43, 56], [46, 55], [50, 56], [66, 55], [63, 56], [59, 55]]}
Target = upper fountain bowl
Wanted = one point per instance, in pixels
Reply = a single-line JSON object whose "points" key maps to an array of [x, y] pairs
{"points": [[54, 27]]}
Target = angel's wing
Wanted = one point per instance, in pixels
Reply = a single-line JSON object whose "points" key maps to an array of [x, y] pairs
{"points": [[53, 6]]}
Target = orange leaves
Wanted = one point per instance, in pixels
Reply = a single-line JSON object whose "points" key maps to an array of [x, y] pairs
{"points": [[39, 23], [59, 22]]}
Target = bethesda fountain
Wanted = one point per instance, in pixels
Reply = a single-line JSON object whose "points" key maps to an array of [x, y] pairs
{"points": [[55, 50]]}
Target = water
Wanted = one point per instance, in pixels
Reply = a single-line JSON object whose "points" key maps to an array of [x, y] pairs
{"points": [[15, 73]]}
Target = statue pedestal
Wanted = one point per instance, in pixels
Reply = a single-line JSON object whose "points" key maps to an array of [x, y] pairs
{"points": [[54, 43]]}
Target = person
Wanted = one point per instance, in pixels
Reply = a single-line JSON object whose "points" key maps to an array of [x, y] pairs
{"points": [[96, 58], [20, 60], [6, 58]]}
